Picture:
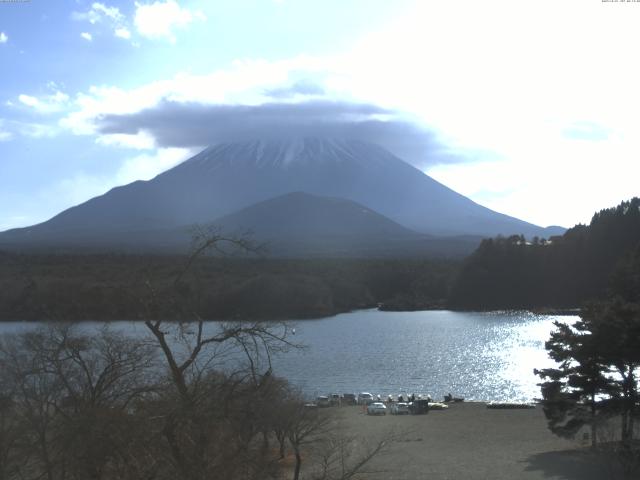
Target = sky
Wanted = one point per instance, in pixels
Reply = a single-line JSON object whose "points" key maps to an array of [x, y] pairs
{"points": [[528, 108]]}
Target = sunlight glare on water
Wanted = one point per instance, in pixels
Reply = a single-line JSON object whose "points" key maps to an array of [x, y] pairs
{"points": [[478, 356]]}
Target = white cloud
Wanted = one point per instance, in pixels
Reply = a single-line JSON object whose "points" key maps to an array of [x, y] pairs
{"points": [[3, 37], [28, 100], [98, 13], [51, 103], [122, 33], [243, 83], [147, 166], [139, 141], [11, 128], [110, 12], [158, 20], [58, 97], [37, 130]]}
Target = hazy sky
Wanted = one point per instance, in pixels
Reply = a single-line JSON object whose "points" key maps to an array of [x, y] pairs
{"points": [[530, 108]]}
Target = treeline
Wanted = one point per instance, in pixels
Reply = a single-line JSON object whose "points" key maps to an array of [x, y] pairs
{"points": [[563, 272], [130, 287]]}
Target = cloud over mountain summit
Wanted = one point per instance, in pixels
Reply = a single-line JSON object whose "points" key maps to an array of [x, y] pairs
{"points": [[174, 124]]}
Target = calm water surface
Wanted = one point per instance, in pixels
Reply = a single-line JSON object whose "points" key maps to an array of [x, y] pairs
{"points": [[478, 356]]}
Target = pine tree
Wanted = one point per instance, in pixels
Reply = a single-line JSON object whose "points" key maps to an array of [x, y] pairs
{"points": [[571, 394]]}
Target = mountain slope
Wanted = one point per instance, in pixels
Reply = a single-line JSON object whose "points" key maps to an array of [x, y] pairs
{"points": [[228, 177], [300, 214], [300, 224], [292, 225]]}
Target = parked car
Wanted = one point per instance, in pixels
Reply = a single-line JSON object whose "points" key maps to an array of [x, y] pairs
{"points": [[376, 408], [365, 398], [419, 407], [349, 399], [399, 408], [334, 399], [322, 401]]}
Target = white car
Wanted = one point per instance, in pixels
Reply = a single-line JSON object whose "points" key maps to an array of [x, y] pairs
{"points": [[365, 398], [376, 408], [400, 408]]}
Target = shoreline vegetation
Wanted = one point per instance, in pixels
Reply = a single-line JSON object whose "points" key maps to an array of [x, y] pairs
{"points": [[102, 287], [112, 287], [115, 286]]}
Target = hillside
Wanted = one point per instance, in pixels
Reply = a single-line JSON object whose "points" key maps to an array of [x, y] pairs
{"points": [[299, 224], [582, 264]]}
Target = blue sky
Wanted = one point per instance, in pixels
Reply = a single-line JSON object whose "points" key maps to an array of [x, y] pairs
{"points": [[535, 103]]}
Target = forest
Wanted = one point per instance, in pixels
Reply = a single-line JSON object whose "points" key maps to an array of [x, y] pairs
{"points": [[563, 272], [122, 287]]}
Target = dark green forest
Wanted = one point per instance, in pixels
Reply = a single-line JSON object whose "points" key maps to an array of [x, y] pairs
{"points": [[117, 287], [562, 272]]}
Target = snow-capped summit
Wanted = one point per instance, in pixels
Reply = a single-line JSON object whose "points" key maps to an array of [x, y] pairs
{"points": [[286, 153]]}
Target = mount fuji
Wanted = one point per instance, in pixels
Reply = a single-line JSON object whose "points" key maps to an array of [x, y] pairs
{"points": [[220, 183]]}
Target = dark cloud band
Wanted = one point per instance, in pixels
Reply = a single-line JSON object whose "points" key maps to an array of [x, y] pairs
{"points": [[196, 125]]}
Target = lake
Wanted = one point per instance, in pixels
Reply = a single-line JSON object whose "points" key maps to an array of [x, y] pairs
{"points": [[478, 356]]}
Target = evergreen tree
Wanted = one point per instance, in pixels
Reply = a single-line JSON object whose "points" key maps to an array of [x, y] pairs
{"points": [[571, 391], [616, 326], [599, 360]]}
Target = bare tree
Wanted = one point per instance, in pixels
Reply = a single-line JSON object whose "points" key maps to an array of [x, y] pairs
{"points": [[11, 433], [307, 425], [72, 394], [343, 457], [220, 374]]}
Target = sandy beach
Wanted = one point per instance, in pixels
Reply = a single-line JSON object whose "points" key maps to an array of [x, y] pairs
{"points": [[469, 441]]}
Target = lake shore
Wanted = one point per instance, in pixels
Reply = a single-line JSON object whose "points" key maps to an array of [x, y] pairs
{"points": [[469, 441]]}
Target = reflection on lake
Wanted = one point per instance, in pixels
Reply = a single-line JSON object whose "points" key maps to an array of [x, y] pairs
{"points": [[478, 356]]}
